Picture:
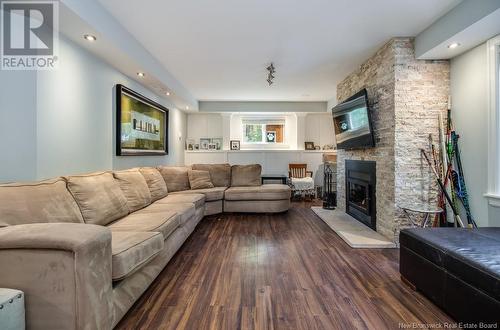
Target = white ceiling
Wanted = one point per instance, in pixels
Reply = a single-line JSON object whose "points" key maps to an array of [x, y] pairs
{"points": [[219, 49]]}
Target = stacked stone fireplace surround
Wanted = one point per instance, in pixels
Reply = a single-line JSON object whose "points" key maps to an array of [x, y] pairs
{"points": [[405, 95]]}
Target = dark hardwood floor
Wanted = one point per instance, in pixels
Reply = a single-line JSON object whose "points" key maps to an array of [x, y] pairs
{"points": [[284, 271]]}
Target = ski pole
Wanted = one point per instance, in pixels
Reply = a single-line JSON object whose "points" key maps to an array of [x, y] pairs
{"points": [[443, 189]]}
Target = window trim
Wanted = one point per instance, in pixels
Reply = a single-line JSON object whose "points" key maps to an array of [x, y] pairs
{"points": [[493, 76]]}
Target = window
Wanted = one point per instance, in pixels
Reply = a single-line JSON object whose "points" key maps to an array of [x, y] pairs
{"points": [[263, 131]]}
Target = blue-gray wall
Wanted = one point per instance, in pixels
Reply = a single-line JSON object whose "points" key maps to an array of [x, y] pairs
{"points": [[17, 125], [63, 122]]}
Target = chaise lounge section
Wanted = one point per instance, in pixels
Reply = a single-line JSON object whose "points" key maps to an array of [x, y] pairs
{"points": [[84, 248]]}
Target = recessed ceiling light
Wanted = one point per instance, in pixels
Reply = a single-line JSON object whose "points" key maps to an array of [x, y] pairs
{"points": [[141, 74], [453, 45], [167, 93], [89, 37], [187, 107]]}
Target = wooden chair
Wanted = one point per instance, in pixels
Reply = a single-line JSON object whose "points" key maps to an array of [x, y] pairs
{"points": [[301, 180]]}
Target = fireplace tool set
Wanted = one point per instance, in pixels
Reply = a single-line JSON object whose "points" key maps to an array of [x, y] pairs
{"points": [[330, 186]]}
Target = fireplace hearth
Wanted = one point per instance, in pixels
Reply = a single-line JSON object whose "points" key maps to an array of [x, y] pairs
{"points": [[360, 180]]}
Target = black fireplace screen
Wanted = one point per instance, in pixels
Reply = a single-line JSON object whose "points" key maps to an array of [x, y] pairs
{"points": [[360, 191], [358, 195]]}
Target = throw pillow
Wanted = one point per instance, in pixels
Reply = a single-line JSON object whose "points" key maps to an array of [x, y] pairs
{"points": [[199, 179], [220, 174]]}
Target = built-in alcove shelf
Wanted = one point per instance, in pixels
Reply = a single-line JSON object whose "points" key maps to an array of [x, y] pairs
{"points": [[272, 161]]}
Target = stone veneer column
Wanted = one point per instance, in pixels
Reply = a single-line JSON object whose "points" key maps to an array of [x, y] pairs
{"points": [[405, 97]]}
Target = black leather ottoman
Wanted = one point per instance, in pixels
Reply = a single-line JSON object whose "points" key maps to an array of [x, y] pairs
{"points": [[458, 269]]}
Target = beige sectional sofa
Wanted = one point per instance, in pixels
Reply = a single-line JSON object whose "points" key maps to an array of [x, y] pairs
{"points": [[84, 248]]}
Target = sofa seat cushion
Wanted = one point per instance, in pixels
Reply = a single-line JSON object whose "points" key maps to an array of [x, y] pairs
{"points": [[99, 197], [164, 222], [134, 187], [470, 255], [246, 175], [44, 201], [211, 194], [156, 184], [220, 174], [132, 250], [176, 177], [258, 193], [184, 211], [197, 199]]}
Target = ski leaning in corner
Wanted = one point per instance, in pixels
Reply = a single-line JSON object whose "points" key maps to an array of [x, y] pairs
{"points": [[448, 171], [454, 172]]}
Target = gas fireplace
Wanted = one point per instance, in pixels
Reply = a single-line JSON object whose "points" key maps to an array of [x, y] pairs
{"points": [[360, 179]]}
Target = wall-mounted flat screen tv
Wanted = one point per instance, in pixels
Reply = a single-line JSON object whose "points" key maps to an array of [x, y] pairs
{"points": [[352, 123]]}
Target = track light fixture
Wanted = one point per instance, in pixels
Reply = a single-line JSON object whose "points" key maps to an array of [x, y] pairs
{"points": [[270, 76]]}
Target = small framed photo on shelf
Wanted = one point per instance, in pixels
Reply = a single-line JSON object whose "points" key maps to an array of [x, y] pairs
{"points": [[204, 142], [235, 144], [217, 142], [309, 145]]}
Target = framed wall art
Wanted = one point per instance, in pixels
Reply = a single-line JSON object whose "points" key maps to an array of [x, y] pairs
{"points": [[141, 125], [309, 145]]}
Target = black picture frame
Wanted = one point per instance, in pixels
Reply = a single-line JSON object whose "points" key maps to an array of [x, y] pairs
{"points": [[234, 145], [309, 145], [120, 151]]}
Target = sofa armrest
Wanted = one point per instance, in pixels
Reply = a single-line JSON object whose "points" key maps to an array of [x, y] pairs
{"points": [[64, 270]]}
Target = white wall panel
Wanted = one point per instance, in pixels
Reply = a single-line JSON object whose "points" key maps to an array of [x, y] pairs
{"points": [[319, 129], [277, 162], [204, 126], [209, 157], [246, 157]]}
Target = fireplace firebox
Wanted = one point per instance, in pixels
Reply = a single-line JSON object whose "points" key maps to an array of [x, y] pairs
{"points": [[360, 180]]}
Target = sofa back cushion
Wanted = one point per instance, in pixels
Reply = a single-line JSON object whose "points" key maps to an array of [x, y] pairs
{"points": [[155, 182], [220, 174], [246, 175], [176, 177], [199, 179], [99, 197], [134, 187], [38, 202]]}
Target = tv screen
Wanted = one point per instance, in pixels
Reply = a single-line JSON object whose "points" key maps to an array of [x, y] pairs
{"points": [[352, 123]]}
